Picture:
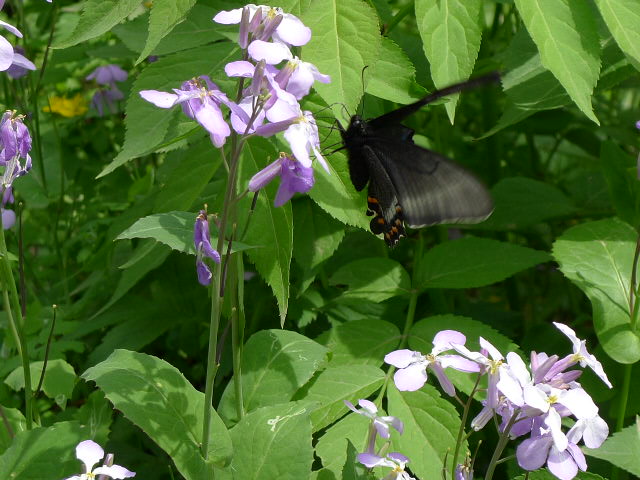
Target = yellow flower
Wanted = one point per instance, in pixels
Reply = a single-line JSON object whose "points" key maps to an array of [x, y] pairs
{"points": [[67, 107]]}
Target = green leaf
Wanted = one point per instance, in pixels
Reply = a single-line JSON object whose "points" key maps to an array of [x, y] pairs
{"points": [[473, 262], [451, 35], [32, 453], [147, 126], [623, 17], [98, 17], [521, 202], [423, 332], [621, 173], [15, 419], [431, 426], [392, 77], [164, 16], [362, 342], [598, 257], [273, 442], [270, 227], [275, 364], [372, 279], [59, 379], [346, 38], [566, 35], [156, 397], [622, 449], [332, 445], [316, 235], [336, 384]]}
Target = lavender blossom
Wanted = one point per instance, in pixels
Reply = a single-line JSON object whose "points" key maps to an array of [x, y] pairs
{"points": [[294, 178], [8, 215], [15, 144], [202, 242], [8, 55], [381, 424], [90, 453], [394, 460], [107, 76], [412, 365]]}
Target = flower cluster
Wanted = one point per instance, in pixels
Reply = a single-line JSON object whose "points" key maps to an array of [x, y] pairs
{"points": [[530, 400], [90, 453], [8, 54], [108, 93], [270, 102]]}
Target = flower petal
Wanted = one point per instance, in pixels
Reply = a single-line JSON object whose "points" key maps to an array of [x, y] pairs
{"points": [[272, 53], [400, 358], [89, 453], [159, 99], [114, 471], [411, 378]]}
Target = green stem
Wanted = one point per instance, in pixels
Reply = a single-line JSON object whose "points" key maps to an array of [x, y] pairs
{"points": [[502, 442], [237, 333], [12, 306], [624, 396], [463, 422], [397, 18]]}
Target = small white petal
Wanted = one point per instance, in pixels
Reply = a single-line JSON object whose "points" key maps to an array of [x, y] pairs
{"points": [[159, 99]]}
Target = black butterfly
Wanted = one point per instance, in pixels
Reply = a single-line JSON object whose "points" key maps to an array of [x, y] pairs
{"points": [[408, 183]]}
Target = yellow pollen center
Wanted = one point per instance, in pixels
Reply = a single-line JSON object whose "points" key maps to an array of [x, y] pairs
{"points": [[494, 365]]}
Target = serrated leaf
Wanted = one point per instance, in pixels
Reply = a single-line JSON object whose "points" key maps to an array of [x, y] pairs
{"points": [[59, 380], [156, 397], [598, 257], [98, 17], [392, 77], [332, 445], [623, 17], [622, 449], [374, 279], [164, 15], [32, 451], [336, 384], [146, 125], [451, 35], [346, 38], [521, 202], [566, 35], [275, 364], [474, 262], [431, 426], [263, 441], [362, 342], [270, 227]]}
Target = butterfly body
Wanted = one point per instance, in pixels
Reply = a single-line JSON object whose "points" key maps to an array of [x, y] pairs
{"points": [[407, 183]]}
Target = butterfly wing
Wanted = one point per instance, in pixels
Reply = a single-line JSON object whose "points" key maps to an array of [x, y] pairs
{"points": [[430, 188]]}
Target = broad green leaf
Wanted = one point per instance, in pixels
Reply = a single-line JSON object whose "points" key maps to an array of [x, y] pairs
{"points": [[316, 234], [622, 449], [423, 332], [44, 453], [270, 228], [164, 16], [98, 17], [566, 35], [521, 202], [157, 398], [332, 445], [392, 77], [362, 342], [597, 257], [431, 426], [451, 35], [623, 17], [529, 86], [473, 262], [15, 419], [273, 443], [97, 415], [336, 384], [372, 279], [621, 173], [346, 38], [59, 379], [275, 365], [147, 126]]}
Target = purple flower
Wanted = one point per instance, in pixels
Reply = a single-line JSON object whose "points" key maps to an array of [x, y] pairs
{"points": [[90, 453], [8, 216], [394, 460], [412, 366], [21, 65], [202, 242], [200, 99], [263, 22], [381, 424], [294, 178], [297, 77], [15, 144], [580, 354], [108, 75], [106, 97], [8, 55]]}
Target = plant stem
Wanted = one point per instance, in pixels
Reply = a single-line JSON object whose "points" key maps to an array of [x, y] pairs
{"points": [[14, 311], [502, 442], [237, 332], [463, 422]]}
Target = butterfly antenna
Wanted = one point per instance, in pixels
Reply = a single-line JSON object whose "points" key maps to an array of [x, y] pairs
{"points": [[362, 82], [493, 77]]}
